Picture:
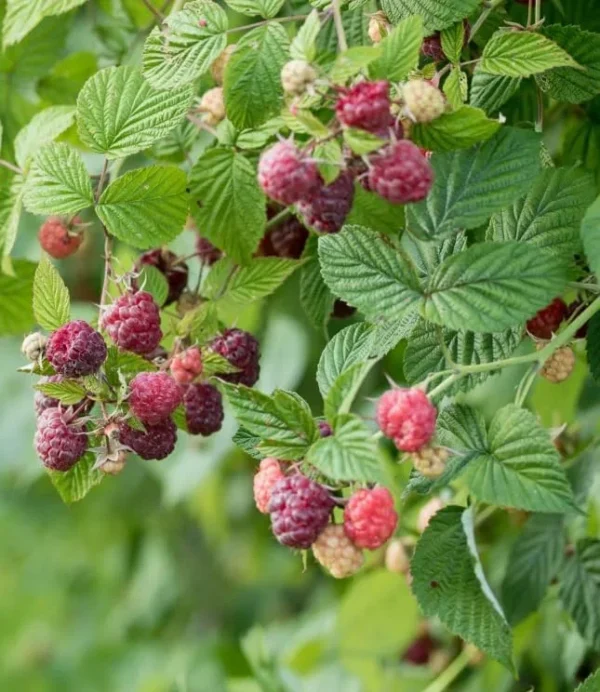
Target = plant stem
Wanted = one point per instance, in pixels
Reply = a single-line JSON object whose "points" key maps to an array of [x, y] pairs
{"points": [[538, 11], [339, 25], [539, 120], [290, 18], [10, 166], [448, 676], [107, 239], [278, 217], [491, 6], [156, 12]]}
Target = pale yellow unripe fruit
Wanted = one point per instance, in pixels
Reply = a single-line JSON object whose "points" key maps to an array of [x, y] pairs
{"points": [[336, 552], [396, 557], [379, 27], [428, 511], [423, 101], [212, 106], [560, 364], [217, 69], [33, 346], [296, 76], [430, 461]]}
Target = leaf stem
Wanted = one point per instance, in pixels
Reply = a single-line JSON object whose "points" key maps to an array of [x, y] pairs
{"points": [[154, 10], [448, 676], [538, 11], [339, 25], [278, 217], [491, 6], [107, 239], [10, 166]]}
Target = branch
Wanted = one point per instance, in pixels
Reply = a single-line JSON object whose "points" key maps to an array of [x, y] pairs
{"points": [[107, 239], [155, 11], [10, 166], [490, 7], [339, 25]]}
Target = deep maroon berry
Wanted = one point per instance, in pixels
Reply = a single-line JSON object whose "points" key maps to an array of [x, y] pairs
{"points": [[156, 442], [341, 310], [432, 47], [327, 209], [325, 429], [286, 175], [167, 263], [203, 409], [43, 401], [299, 510], [286, 239], [420, 650], [366, 105], [207, 252], [76, 349], [154, 396], [401, 174], [242, 350], [547, 321], [60, 444], [133, 322]]}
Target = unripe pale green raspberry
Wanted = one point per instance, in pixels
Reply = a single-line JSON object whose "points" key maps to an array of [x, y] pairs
{"points": [[296, 76], [430, 461], [336, 552], [212, 106], [560, 364], [423, 101]]}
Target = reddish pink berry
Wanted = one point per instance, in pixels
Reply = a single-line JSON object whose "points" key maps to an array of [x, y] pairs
{"points": [[286, 239], [401, 174], [326, 210], [432, 47], [547, 321], [370, 518], [419, 652], [60, 239], [169, 265], [325, 430], [299, 510], [156, 442], [43, 401], [133, 322], [242, 350], [207, 252], [76, 349], [187, 365], [366, 105], [154, 396], [268, 474], [286, 175], [60, 444], [203, 409], [407, 417]]}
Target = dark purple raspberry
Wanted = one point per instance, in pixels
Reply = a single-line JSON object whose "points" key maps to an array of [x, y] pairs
{"points": [[286, 175], [299, 510], [547, 321], [156, 442], [167, 263], [342, 310], [42, 401], [401, 174], [76, 349], [432, 47], [203, 409], [366, 105], [327, 209], [420, 650], [60, 444], [286, 239], [325, 429], [154, 396], [133, 322], [242, 350], [207, 252]]}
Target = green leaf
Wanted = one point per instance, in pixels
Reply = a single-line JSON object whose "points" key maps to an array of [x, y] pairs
{"points": [[185, 46], [145, 207], [201, 323], [344, 389], [349, 346], [534, 561], [400, 51], [593, 346], [436, 14], [580, 589], [73, 485], [24, 15], [252, 8], [456, 87], [471, 185], [58, 182], [522, 54], [491, 92], [11, 206], [153, 281], [330, 157], [304, 122], [42, 129], [228, 205], [16, 296], [372, 211], [362, 142], [455, 590], [453, 40], [362, 269], [591, 684], [315, 297], [460, 129], [347, 455], [567, 83], [248, 443], [119, 113], [590, 234], [215, 364], [252, 85], [304, 44], [51, 302], [493, 286], [126, 364], [352, 61], [68, 392]]}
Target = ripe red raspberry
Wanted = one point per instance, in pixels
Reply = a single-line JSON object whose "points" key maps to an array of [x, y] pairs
{"points": [[203, 409], [154, 396], [559, 366], [268, 474], [168, 264], [60, 444], [366, 105], [370, 518], [76, 349], [242, 350], [407, 417], [133, 322], [43, 401], [286, 239], [207, 252], [60, 239], [547, 321], [326, 210], [156, 442], [401, 173], [299, 510], [187, 365], [336, 552], [286, 175]]}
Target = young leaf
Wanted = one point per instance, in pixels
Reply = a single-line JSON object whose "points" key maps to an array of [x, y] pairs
{"points": [[456, 87], [344, 389], [453, 39], [24, 15], [353, 61], [51, 302], [42, 129], [73, 485], [315, 297], [460, 129], [362, 142], [124, 363], [304, 45], [437, 14], [145, 207], [154, 282], [16, 296], [449, 583], [11, 206], [68, 392], [252, 8], [591, 684], [58, 182], [400, 51], [491, 92], [119, 113], [591, 236], [248, 443], [330, 157]]}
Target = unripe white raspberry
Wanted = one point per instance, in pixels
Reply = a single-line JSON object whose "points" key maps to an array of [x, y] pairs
{"points": [[212, 106], [379, 27], [423, 101], [427, 512], [217, 69], [336, 552], [33, 346], [560, 364], [396, 558], [430, 461], [296, 76]]}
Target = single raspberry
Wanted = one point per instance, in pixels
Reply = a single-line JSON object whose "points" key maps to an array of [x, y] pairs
{"points": [[187, 365], [379, 27], [59, 238], [366, 105], [419, 652], [154, 396], [286, 239], [203, 409], [430, 461], [156, 442], [242, 350], [169, 265], [560, 364], [133, 322], [268, 474], [407, 417], [336, 552], [112, 456], [60, 444], [297, 76], [370, 518], [341, 310], [423, 101], [432, 47], [34, 346], [217, 69], [401, 174], [326, 209], [325, 429], [207, 252], [212, 106], [286, 175], [299, 510], [76, 349], [427, 512], [43, 401], [396, 557], [547, 321]]}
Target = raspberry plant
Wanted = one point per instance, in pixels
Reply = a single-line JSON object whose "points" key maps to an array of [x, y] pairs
{"points": [[364, 149]]}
